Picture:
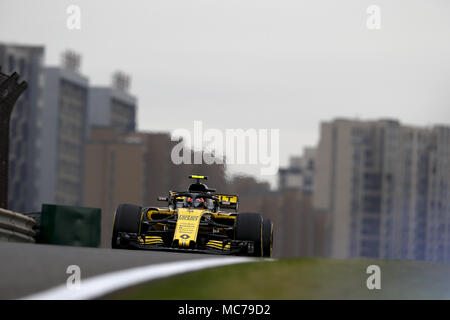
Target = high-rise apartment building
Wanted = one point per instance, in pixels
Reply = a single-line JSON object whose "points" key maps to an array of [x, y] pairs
{"points": [[300, 173], [384, 186], [438, 205], [113, 106], [64, 121], [25, 125]]}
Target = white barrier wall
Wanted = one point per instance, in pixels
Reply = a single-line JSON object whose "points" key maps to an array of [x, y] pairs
{"points": [[16, 227]]}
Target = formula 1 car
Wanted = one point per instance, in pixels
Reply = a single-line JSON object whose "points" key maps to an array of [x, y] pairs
{"points": [[198, 220]]}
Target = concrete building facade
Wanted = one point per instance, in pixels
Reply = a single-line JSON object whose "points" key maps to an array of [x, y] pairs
{"points": [[373, 178], [300, 173], [25, 125], [114, 174], [438, 193], [64, 121], [109, 106]]}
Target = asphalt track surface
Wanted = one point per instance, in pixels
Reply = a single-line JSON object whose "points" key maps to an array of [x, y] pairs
{"points": [[26, 269]]}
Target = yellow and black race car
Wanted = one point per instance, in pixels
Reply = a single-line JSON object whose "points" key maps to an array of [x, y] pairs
{"points": [[198, 220]]}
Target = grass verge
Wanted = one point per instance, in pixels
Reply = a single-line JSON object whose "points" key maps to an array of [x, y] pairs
{"points": [[301, 279]]}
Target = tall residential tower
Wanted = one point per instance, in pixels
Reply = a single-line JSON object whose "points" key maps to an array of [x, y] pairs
{"points": [[386, 189], [64, 133], [25, 125]]}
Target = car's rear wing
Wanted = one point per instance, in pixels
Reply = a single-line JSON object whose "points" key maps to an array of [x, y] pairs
{"points": [[228, 201]]}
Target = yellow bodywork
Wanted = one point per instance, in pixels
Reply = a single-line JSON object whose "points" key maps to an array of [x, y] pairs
{"points": [[197, 177], [216, 244], [150, 240], [229, 198], [188, 224]]}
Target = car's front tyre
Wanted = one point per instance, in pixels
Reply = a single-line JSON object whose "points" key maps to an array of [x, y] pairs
{"points": [[126, 219], [249, 226]]}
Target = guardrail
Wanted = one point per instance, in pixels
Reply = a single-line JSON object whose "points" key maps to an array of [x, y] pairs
{"points": [[16, 227]]}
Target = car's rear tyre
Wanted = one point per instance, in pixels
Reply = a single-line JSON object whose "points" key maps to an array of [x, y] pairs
{"points": [[126, 219], [249, 227], [267, 237]]}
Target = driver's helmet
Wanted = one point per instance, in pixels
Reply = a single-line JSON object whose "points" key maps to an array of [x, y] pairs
{"points": [[199, 203], [187, 202]]}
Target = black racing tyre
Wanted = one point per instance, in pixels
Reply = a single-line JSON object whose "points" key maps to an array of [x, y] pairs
{"points": [[249, 227], [267, 238], [126, 219]]}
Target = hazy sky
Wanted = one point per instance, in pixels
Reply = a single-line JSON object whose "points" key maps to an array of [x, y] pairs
{"points": [[255, 64]]}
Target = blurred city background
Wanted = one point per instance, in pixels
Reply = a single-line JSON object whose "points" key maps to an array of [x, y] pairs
{"points": [[378, 189], [363, 114]]}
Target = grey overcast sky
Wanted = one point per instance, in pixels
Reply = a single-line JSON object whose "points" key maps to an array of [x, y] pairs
{"points": [[255, 64]]}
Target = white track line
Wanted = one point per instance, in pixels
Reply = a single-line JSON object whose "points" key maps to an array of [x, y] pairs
{"points": [[101, 285]]}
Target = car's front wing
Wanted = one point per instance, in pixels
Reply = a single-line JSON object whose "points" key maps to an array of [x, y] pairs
{"points": [[237, 247]]}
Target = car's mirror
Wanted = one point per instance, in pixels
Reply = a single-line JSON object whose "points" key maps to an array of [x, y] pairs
{"points": [[163, 199]]}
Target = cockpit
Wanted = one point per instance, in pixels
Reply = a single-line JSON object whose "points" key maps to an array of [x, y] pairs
{"points": [[199, 196], [196, 202]]}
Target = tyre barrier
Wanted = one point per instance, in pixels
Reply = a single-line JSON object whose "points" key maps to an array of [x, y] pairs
{"points": [[16, 227]]}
